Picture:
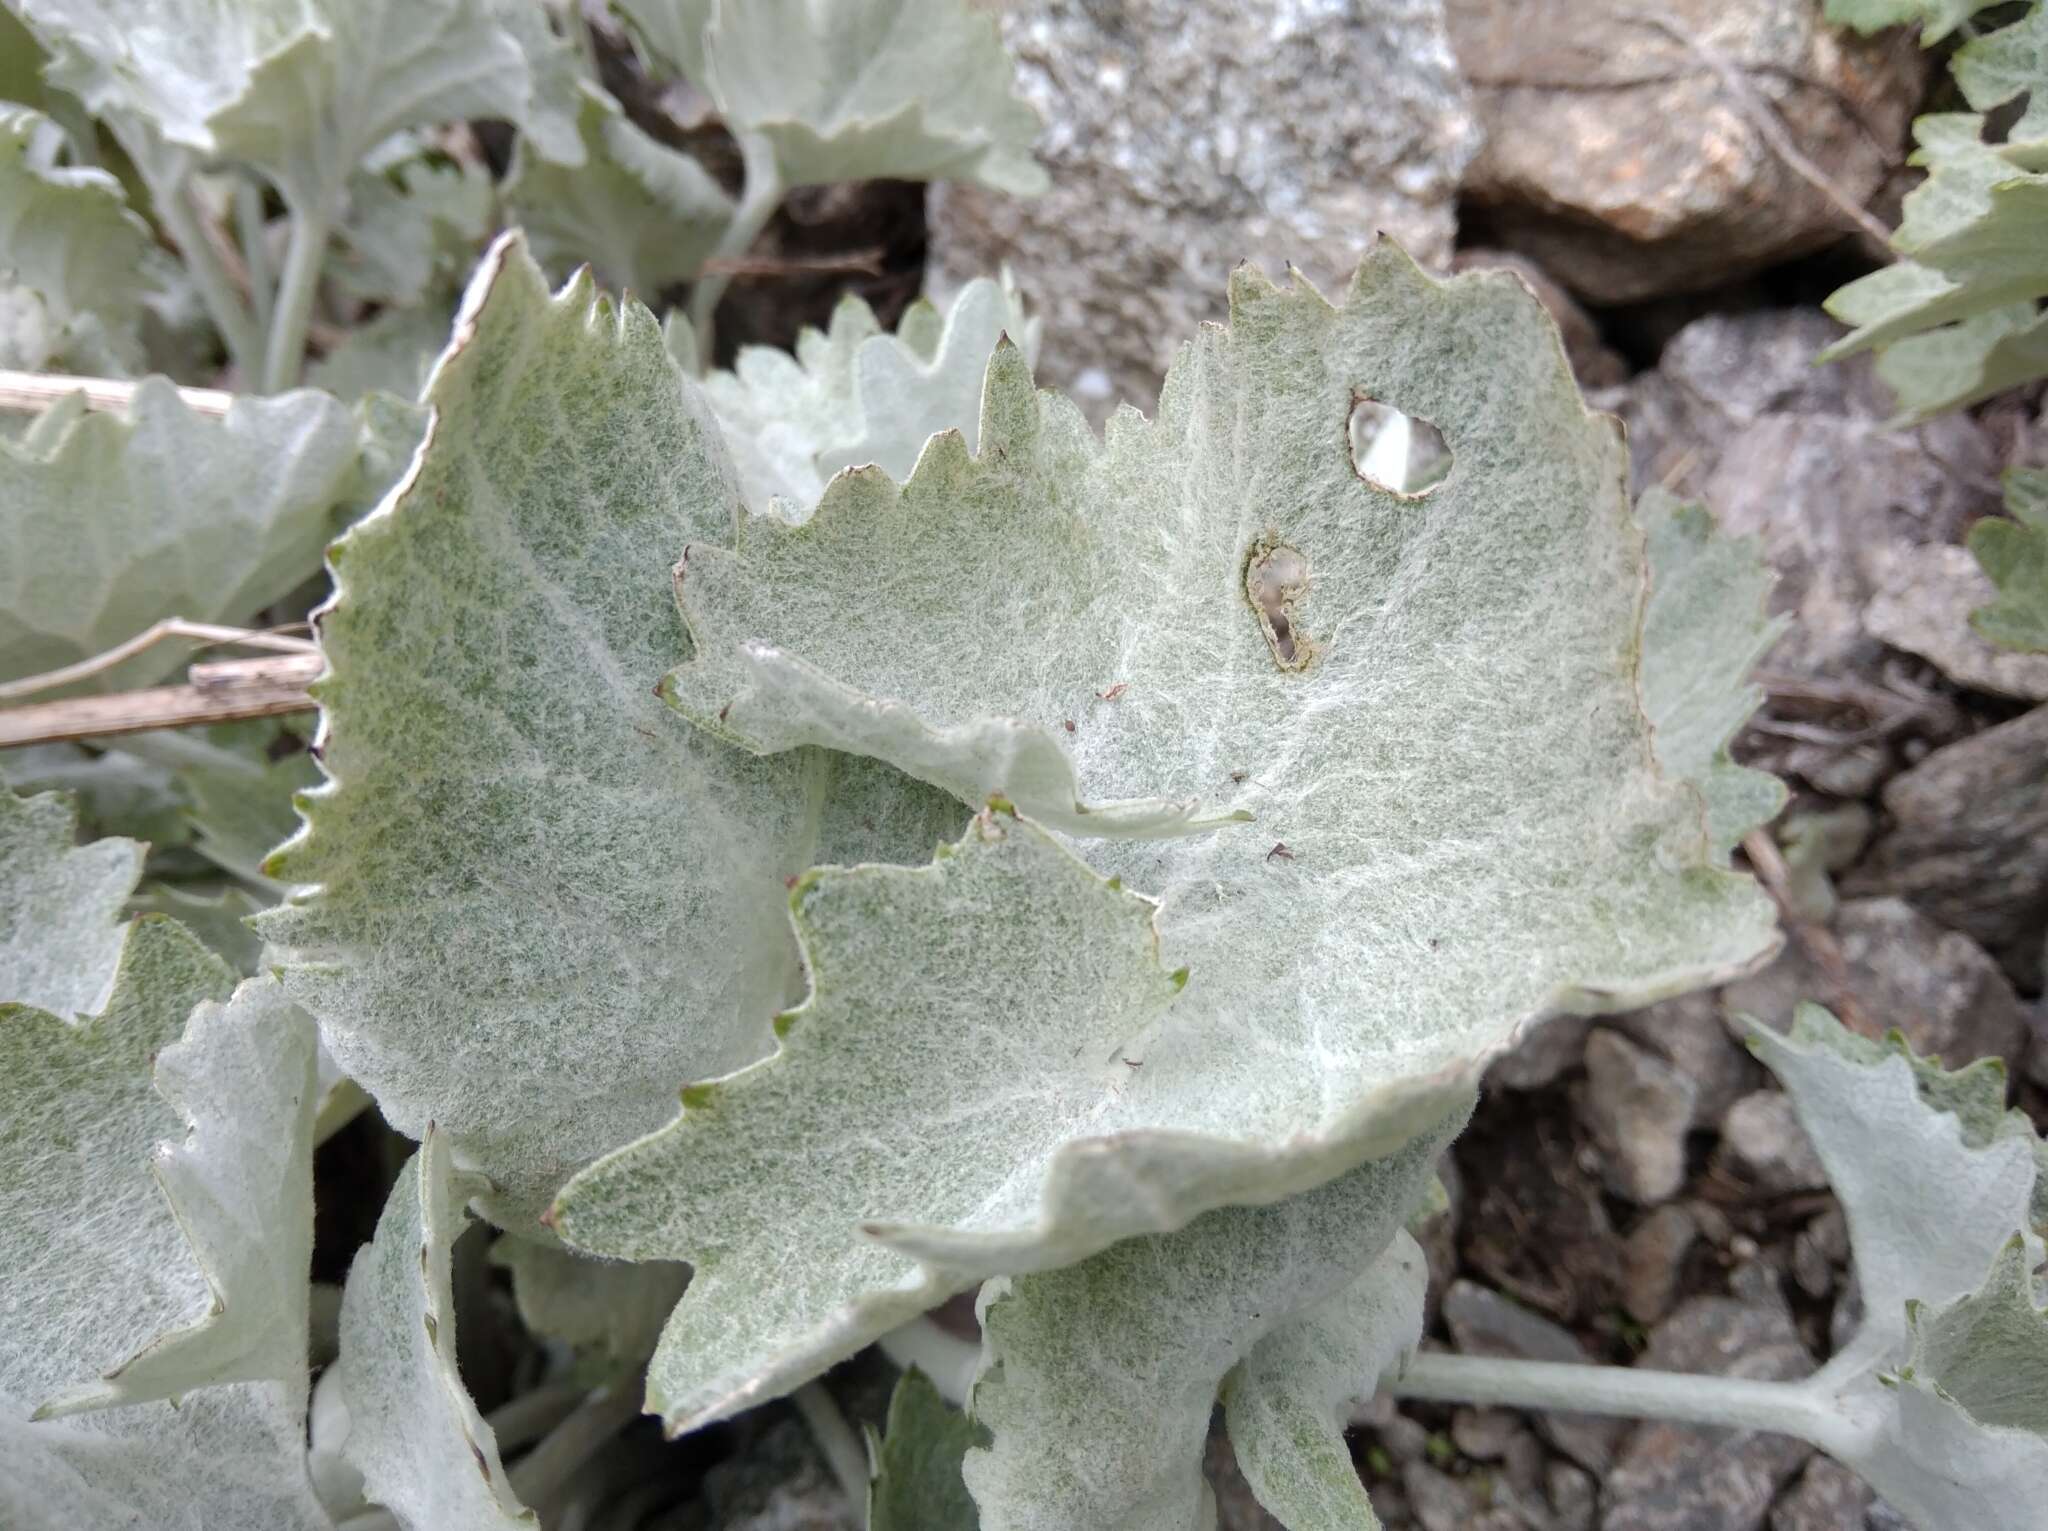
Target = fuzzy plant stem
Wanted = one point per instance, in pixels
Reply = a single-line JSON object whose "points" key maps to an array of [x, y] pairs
{"points": [[843, 1451], [285, 349], [949, 1361], [224, 306], [251, 231], [760, 194], [1789, 1408]]}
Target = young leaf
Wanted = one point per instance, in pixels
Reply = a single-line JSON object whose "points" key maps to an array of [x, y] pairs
{"points": [[1098, 1380], [414, 222], [670, 33], [855, 395], [1703, 631], [68, 235], [1937, 18], [917, 1484], [2015, 555], [423, 1450], [207, 519], [643, 214], [610, 1311], [241, 1186], [1999, 66], [60, 905], [541, 903], [1290, 1400], [917, 90], [97, 1260]]}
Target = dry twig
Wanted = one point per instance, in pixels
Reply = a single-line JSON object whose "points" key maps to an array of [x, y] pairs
{"points": [[218, 693]]}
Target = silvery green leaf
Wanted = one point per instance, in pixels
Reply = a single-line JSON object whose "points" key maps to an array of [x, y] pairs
{"points": [[515, 826], [670, 33], [217, 914], [68, 235], [1960, 364], [917, 1484], [1098, 1380], [60, 916], [1945, 1194], [852, 394], [2015, 555], [846, 90], [120, 521], [414, 222], [884, 1059], [241, 1186], [643, 214], [610, 1311], [302, 89], [1936, 18], [117, 794], [97, 1260], [1999, 66], [1289, 1402], [1703, 631], [423, 1450], [239, 780]]}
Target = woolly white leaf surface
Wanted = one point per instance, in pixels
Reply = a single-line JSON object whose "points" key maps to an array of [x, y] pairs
{"points": [[845, 90], [1098, 1380], [643, 214], [67, 232], [423, 1450], [1704, 630], [96, 1265], [1944, 1196], [241, 1186], [540, 903], [414, 221], [852, 394], [114, 522], [1290, 1400], [609, 1310], [60, 929]]}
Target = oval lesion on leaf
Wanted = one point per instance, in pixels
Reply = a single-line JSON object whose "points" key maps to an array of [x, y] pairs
{"points": [[1394, 451], [1275, 575]]}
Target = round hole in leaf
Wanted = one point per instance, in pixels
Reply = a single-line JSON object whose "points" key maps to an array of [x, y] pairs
{"points": [[1401, 453]]}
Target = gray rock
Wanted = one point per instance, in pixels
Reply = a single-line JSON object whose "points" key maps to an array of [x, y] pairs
{"points": [[1968, 841], [1638, 1109], [1677, 1478], [1573, 1500], [1819, 1251], [1690, 1034], [1438, 1501], [1827, 1497], [1484, 1323], [1763, 1144], [1184, 139], [1882, 1517], [1544, 1052], [1484, 1434], [1923, 606], [1652, 1260], [1937, 986], [1620, 159]]}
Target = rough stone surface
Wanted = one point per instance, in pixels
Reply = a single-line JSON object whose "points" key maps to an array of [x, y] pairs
{"points": [[1690, 1034], [1574, 1501], [779, 1483], [1763, 1145], [1620, 157], [1827, 1497], [1935, 985], [1638, 1109], [1438, 1501], [1736, 413], [1924, 605], [1544, 1052], [1484, 1434], [1653, 1259], [1968, 841], [1484, 1323], [1676, 1478], [1184, 139]]}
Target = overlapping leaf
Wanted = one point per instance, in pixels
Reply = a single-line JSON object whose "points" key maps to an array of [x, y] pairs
{"points": [[415, 1436], [609, 1311], [113, 1263], [1703, 631], [541, 902], [110, 523], [913, 89], [1945, 1194], [1465, 734], [917, 1484], [414, 222], [852, 394], [643, 214], [2015, 555], [1937, 18], [60, 930], [1098, 1380]]}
